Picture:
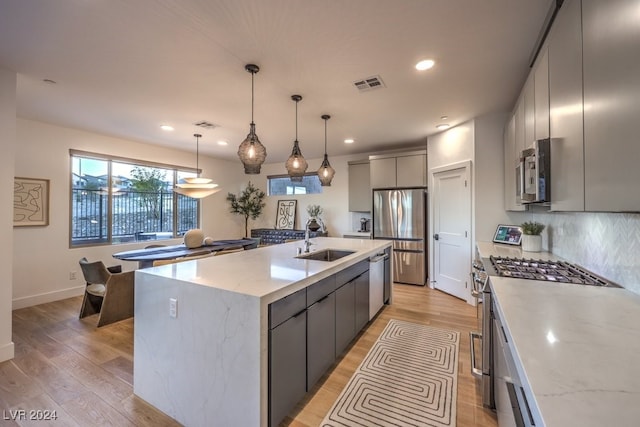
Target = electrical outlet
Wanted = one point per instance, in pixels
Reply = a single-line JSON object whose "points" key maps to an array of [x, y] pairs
{"points": [[73, 275], [173, 307]]}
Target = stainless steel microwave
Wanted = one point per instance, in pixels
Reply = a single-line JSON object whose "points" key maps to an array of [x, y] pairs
{"points": [[534, 173]]}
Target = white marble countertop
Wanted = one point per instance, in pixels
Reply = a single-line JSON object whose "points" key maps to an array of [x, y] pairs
{"points": [[576, 347], [269, 272]]}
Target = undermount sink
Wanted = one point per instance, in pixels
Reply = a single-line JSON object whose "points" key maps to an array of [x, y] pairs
{"points": [[326, 255]]}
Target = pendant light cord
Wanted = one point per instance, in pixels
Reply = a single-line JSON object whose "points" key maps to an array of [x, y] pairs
{"points": [[252, 73], [325, 137], [296, 120], [197, 154]]}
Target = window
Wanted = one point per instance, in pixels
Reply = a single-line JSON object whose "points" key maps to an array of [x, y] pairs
{"points": [[115, 200], [280, 185]]}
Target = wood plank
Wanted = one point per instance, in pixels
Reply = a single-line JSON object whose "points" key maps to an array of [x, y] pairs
{"points": [[42, 411]]}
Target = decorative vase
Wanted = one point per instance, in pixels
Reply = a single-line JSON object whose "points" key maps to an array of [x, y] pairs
{"points": [[531, 243], [313, 225]]}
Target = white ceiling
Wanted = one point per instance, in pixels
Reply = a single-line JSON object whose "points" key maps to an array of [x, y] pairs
{"points": [[125, 67]]}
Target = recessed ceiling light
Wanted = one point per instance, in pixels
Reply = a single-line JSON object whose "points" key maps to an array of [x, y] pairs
{"points": [[223, 143], [348, 141], [443, 126], [166, 128], [49, 81], [425, 64], [444, 117]]}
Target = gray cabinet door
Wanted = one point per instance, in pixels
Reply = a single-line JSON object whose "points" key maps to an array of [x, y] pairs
{"points": [[411, 171], [611, 93], [362, 300], [541, 86], [287, 366], [359, 187], [565, 99], [345, 316], [383, 172], [321, 338]]}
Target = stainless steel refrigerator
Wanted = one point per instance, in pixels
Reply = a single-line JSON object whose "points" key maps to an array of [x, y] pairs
{"points": [[400, 215]]}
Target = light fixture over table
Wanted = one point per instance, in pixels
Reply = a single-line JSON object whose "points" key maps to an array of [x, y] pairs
{"points": [[296, 164], [197, 187], [251, 152], [326, 172]]}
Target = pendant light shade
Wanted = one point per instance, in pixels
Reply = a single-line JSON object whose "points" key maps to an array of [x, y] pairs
{"points": [[251, 152], [196, 187], [326, 172], [296, 164]]}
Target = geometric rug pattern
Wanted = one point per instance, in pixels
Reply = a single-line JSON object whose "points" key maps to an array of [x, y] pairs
{"points": [[408, 378]]}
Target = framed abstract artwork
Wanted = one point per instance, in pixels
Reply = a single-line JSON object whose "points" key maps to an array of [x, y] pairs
{"points": [[30, 202], [286, 214]]}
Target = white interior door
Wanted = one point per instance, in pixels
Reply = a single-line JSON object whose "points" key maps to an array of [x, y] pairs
{"points": [[451, 201]]}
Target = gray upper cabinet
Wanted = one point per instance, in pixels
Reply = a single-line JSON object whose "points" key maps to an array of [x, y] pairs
{"points": [[529, 111], [359, 187], [398, 170], [541, 86], [519, 137], [566, 109], [510, 161], [612, 107]]}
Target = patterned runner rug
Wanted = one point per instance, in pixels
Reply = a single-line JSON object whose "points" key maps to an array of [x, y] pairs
{"points": [[408, 378]]}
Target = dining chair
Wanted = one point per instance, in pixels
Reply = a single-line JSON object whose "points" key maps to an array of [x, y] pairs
{"points": [[109, 292]]}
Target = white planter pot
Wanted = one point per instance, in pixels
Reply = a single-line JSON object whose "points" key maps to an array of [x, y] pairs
{"points": [[531, 243]]}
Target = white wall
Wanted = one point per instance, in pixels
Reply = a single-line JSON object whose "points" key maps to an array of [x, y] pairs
{"points": [[334, 199], [7, 143], [42, 258]]}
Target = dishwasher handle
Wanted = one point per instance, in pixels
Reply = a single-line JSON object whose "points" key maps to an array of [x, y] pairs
{"points": [[378, 258]]}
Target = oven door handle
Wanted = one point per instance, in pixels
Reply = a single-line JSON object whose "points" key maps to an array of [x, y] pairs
{"points": [[475, 371]]}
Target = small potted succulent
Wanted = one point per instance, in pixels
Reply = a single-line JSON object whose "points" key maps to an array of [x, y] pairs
{"points": [[531, 238], [315, 223]]}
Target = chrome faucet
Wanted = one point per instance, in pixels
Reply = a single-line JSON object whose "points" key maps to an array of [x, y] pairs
{"points": [[307, 243]]}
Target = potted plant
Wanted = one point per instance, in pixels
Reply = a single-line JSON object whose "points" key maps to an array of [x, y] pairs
{"points": [[315, 223], [249, 203], [531, 238]]}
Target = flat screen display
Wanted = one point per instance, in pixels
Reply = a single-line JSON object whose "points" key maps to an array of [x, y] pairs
{"points": [[509, 234]]}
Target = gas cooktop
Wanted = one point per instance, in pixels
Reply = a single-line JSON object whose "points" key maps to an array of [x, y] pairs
{"points": [[550, 271]]}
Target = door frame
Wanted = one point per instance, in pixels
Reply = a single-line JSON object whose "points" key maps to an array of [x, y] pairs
{"points": [[467, 165]]}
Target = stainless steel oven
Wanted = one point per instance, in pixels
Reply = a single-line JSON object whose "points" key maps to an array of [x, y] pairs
{"points": [[482, 369]]}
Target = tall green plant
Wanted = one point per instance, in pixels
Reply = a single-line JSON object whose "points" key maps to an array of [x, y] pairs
{"points": [[249, 203], [148, 183]]}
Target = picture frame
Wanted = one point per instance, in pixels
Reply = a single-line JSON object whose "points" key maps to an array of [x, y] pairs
{"points": [[286, 214], [508, 234], [30, 202]]}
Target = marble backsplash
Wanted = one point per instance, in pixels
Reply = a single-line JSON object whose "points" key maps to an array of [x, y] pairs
{"points": [[606, 243]]}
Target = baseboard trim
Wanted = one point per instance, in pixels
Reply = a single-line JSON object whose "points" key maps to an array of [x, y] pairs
{"points": [[7, 352], [32, 300]]}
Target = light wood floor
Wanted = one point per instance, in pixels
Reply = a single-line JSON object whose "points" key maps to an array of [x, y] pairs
{"points": [[85, 374]]}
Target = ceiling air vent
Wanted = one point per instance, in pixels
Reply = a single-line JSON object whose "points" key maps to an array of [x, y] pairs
{"points": [[205, 124], [370, 83]]}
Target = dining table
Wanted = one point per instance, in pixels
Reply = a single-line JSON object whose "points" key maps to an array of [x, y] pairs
{"points": [[147, 256]]}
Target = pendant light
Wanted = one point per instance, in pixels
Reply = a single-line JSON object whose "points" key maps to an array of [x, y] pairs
{"points": [[251, 152], [196, 187], [326, 172], [296, 164]]}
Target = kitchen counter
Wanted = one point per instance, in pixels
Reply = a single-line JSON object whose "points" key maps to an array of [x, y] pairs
{"points": [[576, 347], [208, 365], [486, 249]]}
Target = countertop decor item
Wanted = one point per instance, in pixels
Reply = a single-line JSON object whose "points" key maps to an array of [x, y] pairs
{"points": [[531, 238], [326, 172], [251, 152], [196, 187], [296, 164], [249, 203], [315, 222]]}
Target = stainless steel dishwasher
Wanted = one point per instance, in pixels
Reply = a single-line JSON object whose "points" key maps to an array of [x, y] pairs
{"points": [[376, 283]]}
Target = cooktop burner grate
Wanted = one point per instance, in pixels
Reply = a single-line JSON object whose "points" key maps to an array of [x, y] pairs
{"points": [[550, 271]]}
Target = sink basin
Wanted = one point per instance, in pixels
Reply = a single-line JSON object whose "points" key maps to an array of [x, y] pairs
{"points": [[326, 255]]}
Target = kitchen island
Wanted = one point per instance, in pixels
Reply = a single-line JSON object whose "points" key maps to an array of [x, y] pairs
{"points": [[201, 340], [575, 347]]}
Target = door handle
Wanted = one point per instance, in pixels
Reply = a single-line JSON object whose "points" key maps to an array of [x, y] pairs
{"points": [[436, 236]]}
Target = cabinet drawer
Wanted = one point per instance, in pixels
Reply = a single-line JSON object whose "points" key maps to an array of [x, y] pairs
{"points": [[351, 273], [321, 289], [286, 307]]}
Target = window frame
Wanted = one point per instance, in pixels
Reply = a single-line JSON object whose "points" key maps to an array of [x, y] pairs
{"points": [[279, 176], [135, 162]]}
